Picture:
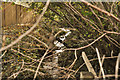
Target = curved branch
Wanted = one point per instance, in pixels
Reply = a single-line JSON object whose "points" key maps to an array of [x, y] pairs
{"points": [[88, 44]]}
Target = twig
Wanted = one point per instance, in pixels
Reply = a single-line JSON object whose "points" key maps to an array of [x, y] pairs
{"points": [[111, 32], [3, 54], [96, 17], [68, 76], [57, 33], [117, 67], [22, 64], [86, 20], [38, 40], [87, 42], [87, 45], [14, 74], [30, 49], [20, 69], [7, 61], [100, 63], [110, 39], [103, 11], [74, 60], [112, 53], [40, 63], [24, 55], [114, 41]]}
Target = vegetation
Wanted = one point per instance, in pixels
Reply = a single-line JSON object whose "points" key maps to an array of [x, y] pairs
{"points": [[93, 25]]}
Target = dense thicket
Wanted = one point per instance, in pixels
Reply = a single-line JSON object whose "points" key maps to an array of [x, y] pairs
{"points": [[87, 23]]}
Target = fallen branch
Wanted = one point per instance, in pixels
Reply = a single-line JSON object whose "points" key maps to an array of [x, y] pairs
{"points": [[88, 64]]}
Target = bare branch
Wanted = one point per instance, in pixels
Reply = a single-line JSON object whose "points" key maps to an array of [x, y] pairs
{"points": [[74, 60], [102, 64], [38, 40], [88, 44], [88, 64], [3, 54], [98, 54]]}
